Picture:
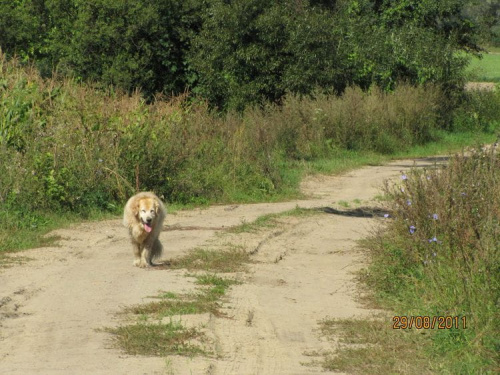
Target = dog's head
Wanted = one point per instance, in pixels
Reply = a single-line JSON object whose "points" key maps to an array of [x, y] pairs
{"points": [[146, 211]]}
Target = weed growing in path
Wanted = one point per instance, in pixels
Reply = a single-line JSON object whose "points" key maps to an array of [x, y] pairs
{"points": [[204, 299], [271, 220], [160, 339], [230, 260]]}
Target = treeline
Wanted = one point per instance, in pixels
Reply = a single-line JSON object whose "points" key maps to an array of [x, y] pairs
{"points": [[235, 53], [486, 14]]}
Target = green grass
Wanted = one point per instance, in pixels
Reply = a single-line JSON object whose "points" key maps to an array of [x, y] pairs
{"points": [[438, 256], [157, 339], [271, 220], [144, 337], [374, 347], [233, 259], [205, 299], [22, 230], [449, 143], [343, 161], [486, 69], [446, 143], [219, 283], [344, 204]]}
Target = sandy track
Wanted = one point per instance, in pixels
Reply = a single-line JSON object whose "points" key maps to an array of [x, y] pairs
{"points": [[52, 306]]}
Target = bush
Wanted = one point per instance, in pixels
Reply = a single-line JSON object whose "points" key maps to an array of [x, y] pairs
{"points": [[376, 121], [67, 146], [478, 110]]}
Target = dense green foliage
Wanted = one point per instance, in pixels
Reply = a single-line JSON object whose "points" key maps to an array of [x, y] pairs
{"points": [[440, 257], [128, 44], [69, 146], [486, 13], [66, 146], [241, 52]]}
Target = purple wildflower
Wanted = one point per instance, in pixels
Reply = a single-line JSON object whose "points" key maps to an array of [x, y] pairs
{"points": [[404, 177], [408, 202], [386, 215], [412, 229], [435, 216]]}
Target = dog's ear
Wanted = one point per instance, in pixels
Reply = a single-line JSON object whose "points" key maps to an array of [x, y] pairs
{"points": [[135, 208]]}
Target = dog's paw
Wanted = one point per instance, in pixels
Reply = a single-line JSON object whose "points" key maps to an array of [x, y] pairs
{"points": [[144, 265], [137, 262]]}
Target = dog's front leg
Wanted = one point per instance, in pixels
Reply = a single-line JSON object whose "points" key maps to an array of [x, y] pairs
{"points": [[137, 254], [145, 257]]}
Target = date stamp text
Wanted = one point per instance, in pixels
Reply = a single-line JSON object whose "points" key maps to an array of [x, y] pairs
{"points": [[429, 322]]}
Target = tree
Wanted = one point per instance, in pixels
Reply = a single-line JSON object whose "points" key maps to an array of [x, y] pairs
{"points": [[253, 51], [22, 27], [130, 44]]}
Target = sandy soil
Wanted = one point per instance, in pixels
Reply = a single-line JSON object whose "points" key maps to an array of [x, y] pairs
{"points": [[51, 307], [480, 86]]}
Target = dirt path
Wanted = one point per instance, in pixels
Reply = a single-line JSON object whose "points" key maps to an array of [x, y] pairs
{"points": [[52, 306]]}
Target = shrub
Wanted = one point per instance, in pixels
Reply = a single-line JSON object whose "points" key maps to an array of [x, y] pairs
{"points": [[377, 121], [478, 110]]}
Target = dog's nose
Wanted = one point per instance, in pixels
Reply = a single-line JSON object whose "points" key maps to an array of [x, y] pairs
{"points": [[149, 220]]}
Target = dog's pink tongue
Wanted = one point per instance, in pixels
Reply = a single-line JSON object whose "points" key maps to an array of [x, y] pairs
{"points": [[147, 228]]}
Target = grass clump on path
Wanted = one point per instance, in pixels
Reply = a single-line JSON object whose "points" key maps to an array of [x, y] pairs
{"points": [[205, 299], [224, 261], [271, 220], [157, 339], [150, 335]]}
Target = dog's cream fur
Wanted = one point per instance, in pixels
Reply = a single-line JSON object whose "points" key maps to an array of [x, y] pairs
{"points": [[143, 216]]}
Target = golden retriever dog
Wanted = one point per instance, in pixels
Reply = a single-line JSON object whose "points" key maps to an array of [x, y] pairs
{"points": [[143, 216]]}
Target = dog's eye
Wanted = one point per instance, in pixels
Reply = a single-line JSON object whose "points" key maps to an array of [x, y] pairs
{"points": [[143, 211]]}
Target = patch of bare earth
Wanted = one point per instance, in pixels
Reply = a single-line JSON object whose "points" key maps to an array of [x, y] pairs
{"points": [[53, 307], [480, 86]]}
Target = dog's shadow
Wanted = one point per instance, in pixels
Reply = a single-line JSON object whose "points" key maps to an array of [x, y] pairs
{"points": [[162, 265]]}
